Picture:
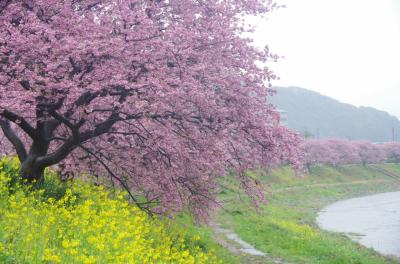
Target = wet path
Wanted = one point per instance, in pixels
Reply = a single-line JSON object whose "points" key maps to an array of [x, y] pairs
{"points": [[243, 246], [248, 254], [373, 221]]}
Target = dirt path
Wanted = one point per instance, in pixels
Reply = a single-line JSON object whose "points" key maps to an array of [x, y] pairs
{"points": [[238, 247], [316, 185]]}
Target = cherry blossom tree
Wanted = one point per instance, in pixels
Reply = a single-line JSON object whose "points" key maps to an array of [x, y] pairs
{"points": [[320, 152], [392, 151], [317, 152], [370, 153], [340, 152], [345, 151], [163, 96]]}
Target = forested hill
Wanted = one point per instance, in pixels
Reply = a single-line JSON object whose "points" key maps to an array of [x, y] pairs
{"points": [[320, 116]]}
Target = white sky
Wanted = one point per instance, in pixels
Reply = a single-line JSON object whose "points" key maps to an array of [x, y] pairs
{"points": [[346, 49]]}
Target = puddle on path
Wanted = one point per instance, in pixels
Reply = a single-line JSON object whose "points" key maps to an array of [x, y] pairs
{"points": [[230, 240], [244, 246]]}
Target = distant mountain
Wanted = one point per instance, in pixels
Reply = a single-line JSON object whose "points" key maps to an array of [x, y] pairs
{"points": [[319, 116]]}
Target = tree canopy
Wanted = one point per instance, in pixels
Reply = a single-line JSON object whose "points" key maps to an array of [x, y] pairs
{"points": [[165, 95], [341, 152]]}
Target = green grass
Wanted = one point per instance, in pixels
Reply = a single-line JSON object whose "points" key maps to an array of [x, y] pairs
{"points": [[184, 223], [286, 228]]}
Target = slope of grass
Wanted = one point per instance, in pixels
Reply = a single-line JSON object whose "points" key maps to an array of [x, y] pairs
{"points": [[286, 226], [81, 223], [77, 222]]}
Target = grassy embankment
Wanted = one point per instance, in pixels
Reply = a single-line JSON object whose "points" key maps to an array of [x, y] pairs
{"points": [[78, 222], [82, 223], [286, 228]]}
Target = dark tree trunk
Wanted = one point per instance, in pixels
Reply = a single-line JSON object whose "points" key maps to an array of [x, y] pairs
{"points": [[308, 166], [34, 163], [31, 172]]}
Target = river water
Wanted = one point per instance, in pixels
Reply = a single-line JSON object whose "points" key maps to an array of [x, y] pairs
{"points": [[373, 221]]}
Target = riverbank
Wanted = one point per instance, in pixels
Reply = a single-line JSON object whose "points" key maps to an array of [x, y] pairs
{"points": [[285, 229], [283, 232], [372, 221]]}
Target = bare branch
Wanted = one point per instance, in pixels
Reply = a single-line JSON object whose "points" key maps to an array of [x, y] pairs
{"points": [[117, 178]]}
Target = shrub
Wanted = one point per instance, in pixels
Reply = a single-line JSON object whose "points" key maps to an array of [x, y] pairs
{"points": [[83, 223]]}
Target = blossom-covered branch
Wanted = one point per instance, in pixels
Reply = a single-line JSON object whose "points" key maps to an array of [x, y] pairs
{"points": [[168, 92]]}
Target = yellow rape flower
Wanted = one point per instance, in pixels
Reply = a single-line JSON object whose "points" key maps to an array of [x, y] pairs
{"points": [[93, 225]]}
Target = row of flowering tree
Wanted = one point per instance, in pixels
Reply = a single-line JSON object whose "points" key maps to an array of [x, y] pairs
{"points": [[162, 96], [340, 152]]}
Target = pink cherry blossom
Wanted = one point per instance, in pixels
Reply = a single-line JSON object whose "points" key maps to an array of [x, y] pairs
{"points": [[392, 151], [340, 152], [162, 96]]}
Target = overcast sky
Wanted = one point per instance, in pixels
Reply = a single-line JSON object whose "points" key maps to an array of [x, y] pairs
{"points": [[346, 49]]}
